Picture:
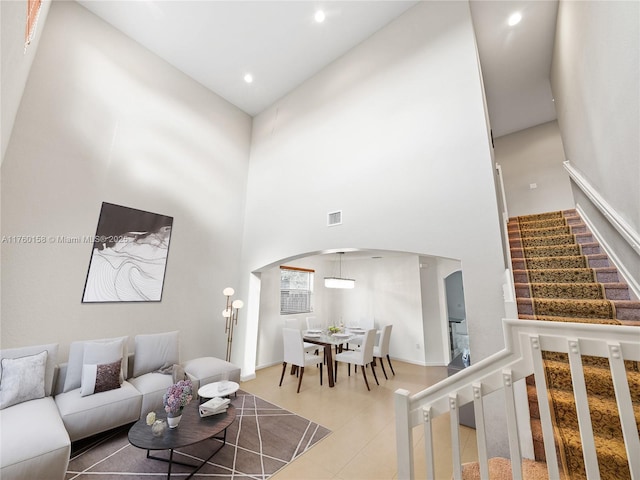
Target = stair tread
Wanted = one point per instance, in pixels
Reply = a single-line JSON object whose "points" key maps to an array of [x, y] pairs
{"points": [[606, 284], [550, 318], [500, 468], [628, 303], [588, 300], [605, 445], [560, 246], [595, 401], [621, 303]]}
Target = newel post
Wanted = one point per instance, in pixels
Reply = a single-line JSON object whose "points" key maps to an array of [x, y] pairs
{"points": [[404, 435]]}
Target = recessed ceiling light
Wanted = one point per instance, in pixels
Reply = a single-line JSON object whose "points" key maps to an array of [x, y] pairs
{"points": [[248, 78], [319, 16], [515, 19]]}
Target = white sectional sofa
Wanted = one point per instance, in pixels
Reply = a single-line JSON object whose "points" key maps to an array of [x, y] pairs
{"points": [[34, 442], [89, 395]]}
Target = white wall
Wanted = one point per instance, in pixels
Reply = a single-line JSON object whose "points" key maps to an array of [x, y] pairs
{"points": [[394, 134], [595, 77], [434, 311], [16, 60], [534, 155], [102, 119]]}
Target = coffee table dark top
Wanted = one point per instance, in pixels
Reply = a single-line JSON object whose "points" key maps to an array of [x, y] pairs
{"points": [[192, 429]]}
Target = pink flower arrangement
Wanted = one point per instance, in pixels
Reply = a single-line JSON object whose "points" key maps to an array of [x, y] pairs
{"points": [[178, 396]]}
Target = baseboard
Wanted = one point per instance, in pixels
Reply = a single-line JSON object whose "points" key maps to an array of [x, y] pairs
{"points": [[628, 278], [421, 364], [246, 378], [267, 365]]}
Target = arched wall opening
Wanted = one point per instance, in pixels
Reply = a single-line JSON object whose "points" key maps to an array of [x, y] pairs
{"points": [[400, 288]]}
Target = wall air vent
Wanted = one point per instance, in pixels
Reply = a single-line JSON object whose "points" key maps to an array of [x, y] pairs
{"points": [[334, 218]]}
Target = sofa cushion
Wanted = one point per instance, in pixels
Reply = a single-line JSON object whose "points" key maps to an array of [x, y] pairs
{"points": [[152, 386], [22, 379], [155, 351], [52, 354], [34, 441], [86, 416], [94, 352], [100, 378]]}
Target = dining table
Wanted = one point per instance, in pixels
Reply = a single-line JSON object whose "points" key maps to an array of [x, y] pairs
{"points": [[328, 341]]}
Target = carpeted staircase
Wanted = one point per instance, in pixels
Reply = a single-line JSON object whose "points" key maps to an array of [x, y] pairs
{"points": [[561, 274]]}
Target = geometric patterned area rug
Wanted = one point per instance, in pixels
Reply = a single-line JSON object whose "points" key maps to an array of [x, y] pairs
{"points": [[263, 439]]}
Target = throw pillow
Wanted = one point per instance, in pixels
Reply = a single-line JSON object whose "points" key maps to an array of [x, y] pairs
{"points": [[93, 352], [100, 378], [49, 369], [22, 379], [179, 373], [155, 351]]}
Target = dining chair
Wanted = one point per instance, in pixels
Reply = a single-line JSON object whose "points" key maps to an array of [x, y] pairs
{"points": [[362, 357], [295, 323], [314, 324], [295, 355], [382, 349], [361, 326]]}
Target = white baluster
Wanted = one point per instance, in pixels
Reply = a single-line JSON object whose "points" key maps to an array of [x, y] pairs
{"points": [[454, 414], [404, 435], [512, 425], [481, 433], [428, 442], [625, 408], [543, 406], [582, 407]]}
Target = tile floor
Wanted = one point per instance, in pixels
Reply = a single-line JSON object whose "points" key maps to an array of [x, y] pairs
{"points": [[362, 445]]}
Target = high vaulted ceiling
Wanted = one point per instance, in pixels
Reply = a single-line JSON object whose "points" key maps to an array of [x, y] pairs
{"points": [[281, 45]]}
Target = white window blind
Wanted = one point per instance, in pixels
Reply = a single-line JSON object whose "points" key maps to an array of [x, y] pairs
{"points": [[296, 290]]}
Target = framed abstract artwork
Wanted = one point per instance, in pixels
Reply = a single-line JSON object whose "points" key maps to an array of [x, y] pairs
{"points": [[129, 256]]}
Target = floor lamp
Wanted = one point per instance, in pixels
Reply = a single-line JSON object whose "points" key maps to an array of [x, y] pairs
{"points": [[230, 313]]}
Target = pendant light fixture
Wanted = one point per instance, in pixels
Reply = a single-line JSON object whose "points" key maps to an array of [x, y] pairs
{"points": [[339, 281]]}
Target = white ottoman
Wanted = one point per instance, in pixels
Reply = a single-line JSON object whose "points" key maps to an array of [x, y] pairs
{"points": [[206, 370]]}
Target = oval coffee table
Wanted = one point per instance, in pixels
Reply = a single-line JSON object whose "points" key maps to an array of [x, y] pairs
{"points": [[192, 429]]}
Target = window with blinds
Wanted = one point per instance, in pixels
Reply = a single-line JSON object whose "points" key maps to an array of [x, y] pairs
{"points": [[296, 290]]}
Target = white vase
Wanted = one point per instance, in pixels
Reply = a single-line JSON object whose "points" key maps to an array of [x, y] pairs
{"points": [[174, 421]]}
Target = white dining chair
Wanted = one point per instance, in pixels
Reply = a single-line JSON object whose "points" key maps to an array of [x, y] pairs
{"points": [[382, 349], [295, 355], [362, 357], [359, 327], [314, 324], [295, 323]]}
